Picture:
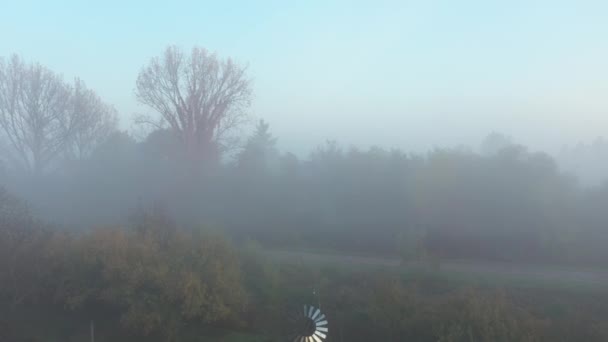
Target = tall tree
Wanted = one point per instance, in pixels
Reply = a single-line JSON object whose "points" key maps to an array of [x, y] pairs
{"points": [[259, 151], [200, 96], [34, 102], [96, 120], [42, 117], [494, 143]]}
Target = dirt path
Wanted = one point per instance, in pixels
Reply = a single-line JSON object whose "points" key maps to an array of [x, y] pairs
{"points": [[541, 273]]}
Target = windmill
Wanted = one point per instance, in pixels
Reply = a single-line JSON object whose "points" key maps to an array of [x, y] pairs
{"points": [[311, 325]]}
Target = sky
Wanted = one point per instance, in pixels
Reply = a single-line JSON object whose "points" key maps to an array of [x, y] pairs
{"points": [[408, 74]]}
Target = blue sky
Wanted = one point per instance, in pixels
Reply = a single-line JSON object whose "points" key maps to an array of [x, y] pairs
{"points": [[409, 74]]}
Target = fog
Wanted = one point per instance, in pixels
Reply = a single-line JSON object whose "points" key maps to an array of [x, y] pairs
{"points": [[415, 170], [411, 75]]}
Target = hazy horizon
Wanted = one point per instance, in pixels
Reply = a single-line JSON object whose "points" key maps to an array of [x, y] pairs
{"points": [[412, 75], [413, 170]]}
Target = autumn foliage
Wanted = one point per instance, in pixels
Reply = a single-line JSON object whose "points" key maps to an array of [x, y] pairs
{"points": [[154, 281], [155, 276]]}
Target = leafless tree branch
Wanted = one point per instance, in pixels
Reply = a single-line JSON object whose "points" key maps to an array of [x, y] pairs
{"points": [[42, 117], [200, 96]]}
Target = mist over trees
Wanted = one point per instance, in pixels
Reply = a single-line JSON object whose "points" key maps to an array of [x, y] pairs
{"points": [[504, 202], [589, 162], [93, 220], [44, 118], [200, 96]]}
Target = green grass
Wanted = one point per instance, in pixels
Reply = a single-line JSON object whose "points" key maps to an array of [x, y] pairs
{"points": [[450, 277], [40, 325], [224, 336], [555, 297], [240, 337]]}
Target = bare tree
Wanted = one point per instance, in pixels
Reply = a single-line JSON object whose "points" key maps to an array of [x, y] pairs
{"points": [[200, 96], [42, 117], [33, 106], [95, 120]]}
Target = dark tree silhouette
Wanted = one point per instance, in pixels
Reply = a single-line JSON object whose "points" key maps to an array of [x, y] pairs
{"points": [[259, 151], [200, 96]]}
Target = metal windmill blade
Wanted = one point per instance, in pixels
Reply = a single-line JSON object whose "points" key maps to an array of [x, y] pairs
{"points": [[311, 325]]}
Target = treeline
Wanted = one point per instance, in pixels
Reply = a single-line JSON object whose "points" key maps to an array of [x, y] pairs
{"points": [[61, 152], [588, 161], [153, 281], [503, 204]]}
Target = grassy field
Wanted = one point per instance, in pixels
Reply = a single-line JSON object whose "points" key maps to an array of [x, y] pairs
{"points": [[458, 272], [54, 327], [549, 292]]}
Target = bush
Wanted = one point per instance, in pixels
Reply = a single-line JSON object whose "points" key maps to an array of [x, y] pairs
{"points": [[477, 316], [24, 252], [159, 277]]}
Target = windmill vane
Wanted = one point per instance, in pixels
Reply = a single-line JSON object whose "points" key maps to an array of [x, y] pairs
{"points": [[313, 327]]}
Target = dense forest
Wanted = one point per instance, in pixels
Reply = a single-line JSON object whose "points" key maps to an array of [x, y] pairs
{"points": [[504, 203], [164, 235]]}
